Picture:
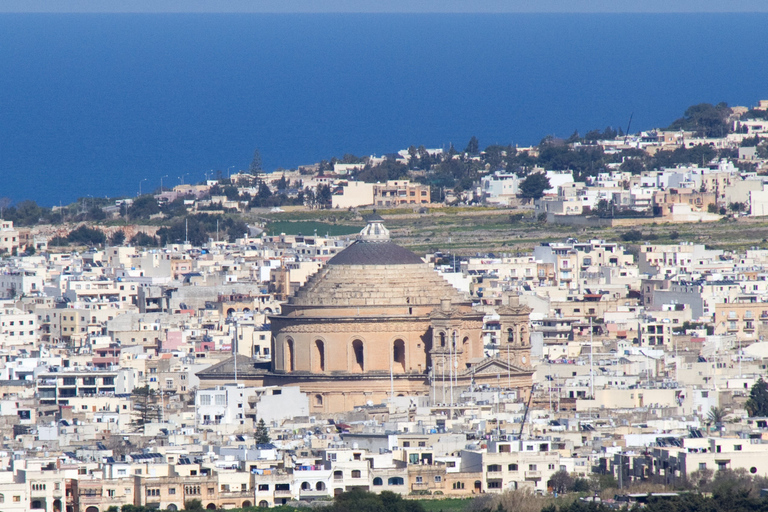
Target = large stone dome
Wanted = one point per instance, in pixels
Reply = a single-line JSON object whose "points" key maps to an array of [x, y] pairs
{"points": [[375, 272]]}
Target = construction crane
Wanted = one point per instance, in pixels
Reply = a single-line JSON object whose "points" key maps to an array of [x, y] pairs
{"points": [[525, 414]]}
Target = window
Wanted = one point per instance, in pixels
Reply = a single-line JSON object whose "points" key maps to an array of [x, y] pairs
{"points": [[494, 485], [356, 473], [221, 400], [406, 444], [494, 468], [532, 467], [419, 480], [378, 481], [171, 490], [458, 485], [263, 487], [438, 478], [205, 399], [512, 467]]}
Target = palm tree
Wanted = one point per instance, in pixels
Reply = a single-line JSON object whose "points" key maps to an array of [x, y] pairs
{"points": [[716, 415]]}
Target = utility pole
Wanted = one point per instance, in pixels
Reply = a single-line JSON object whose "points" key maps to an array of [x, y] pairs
{"points": [[591, 360]]}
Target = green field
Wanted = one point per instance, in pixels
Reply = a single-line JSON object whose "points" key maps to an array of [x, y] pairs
{"points": [[309, 228], [446, 505]]}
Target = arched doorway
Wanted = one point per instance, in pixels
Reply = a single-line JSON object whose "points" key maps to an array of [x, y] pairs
{"points": [[320, 486], [398, 356], [211, 506], [89, 509], [264, 504], [247, 504], [56, 505], [172, 507], [358, 354]]}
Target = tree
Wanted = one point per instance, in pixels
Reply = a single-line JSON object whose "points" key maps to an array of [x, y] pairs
{"points": [[193, 505], [262, 433], [757, 405], [144, 406], [117, 238], [255, 167], [5, 202], [560, 482], [324, 196], [716, 416], [534, 185], [473, 146], [143, 207], [86, 236], [142, 239], [712, 208]]}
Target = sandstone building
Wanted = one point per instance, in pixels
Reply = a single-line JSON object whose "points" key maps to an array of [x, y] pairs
{"points": [[377, 321]]}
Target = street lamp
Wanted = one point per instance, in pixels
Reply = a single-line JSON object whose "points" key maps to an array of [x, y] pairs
{"points": [[142, 181], [228, 168], [161, 183], [181, 178]]}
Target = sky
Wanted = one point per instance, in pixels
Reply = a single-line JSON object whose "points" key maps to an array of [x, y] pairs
{"points": [[385, 6]]}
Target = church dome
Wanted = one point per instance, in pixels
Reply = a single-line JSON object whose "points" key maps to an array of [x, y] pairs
{"points": [[374, 272]]}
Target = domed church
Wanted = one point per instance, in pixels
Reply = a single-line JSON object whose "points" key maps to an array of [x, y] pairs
{"points": [[378, 321]]}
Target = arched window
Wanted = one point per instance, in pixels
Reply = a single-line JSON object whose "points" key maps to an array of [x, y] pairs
{"points": [[398, 356], [319, 400], [510, 335], [442, 339], [264, 504], [320, 486], [172, 507], [289, 355], [378, 481], [306, 486], [318, 361], [246, 504], [359, 355], [395, 480]]}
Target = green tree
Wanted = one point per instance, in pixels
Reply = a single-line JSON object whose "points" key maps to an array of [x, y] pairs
{"points": [[142, 239], [324, 196], [705, 119], [145, 407], [86, 236], [143, 208], [560, 482], [473, 146], [255, 167], [712, 208], [193, 505], [715, 416], [262, 433], [534, 185], [117, 238], [757, 404]]}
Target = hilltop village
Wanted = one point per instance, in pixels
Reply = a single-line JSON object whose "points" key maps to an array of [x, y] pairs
{"points": [[261, 369]]}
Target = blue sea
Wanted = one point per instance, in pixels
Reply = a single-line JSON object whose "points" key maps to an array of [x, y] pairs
{"points": [[94, 104]]}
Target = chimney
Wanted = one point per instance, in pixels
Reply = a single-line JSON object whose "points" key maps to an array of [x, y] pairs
{"points": [[445, 305]]}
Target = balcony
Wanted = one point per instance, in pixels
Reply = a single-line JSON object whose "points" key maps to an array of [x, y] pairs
{"points": [[533, 475]]}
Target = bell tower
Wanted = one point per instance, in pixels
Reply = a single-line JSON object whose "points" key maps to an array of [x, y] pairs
{"points": [[514, 319]]}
